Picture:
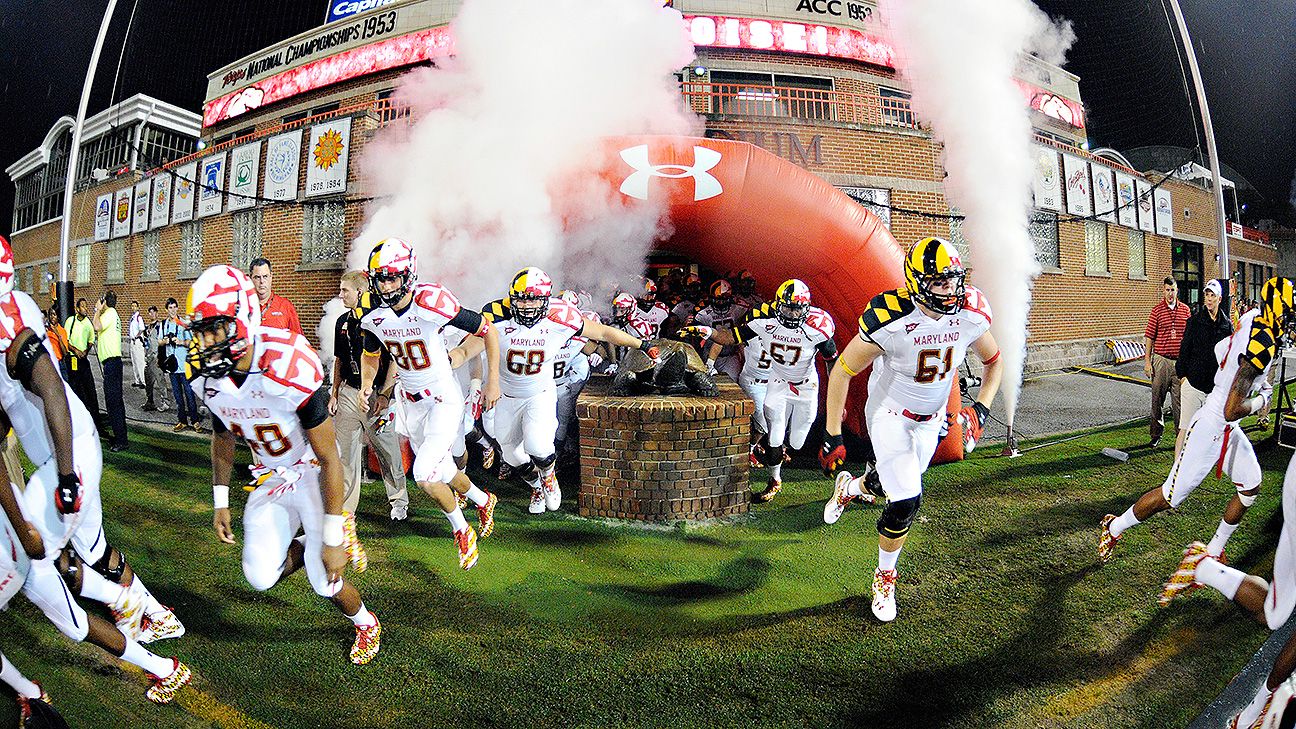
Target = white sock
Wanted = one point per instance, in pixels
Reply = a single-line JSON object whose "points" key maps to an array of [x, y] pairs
{"points": [[887, 560], [476, 495], [98, 588], [1219, 576], [776, 471], [1123, 522], [151, 604], [363, 618], [151, 662], [1222, 534], [1253, 709], [457, 520], [18, 682], [854, 488]]}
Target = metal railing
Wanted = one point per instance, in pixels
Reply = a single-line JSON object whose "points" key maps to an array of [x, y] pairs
{"points": [[785, 102]]}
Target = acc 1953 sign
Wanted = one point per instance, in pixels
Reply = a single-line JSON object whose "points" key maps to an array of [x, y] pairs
{"points": [[783, 144]]}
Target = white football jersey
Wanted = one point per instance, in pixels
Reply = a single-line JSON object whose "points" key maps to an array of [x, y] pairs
{"points": [[528, 354], [756, 363], [285, 373], [920, 355], [571, 352], [791, 352], [647, 324], [414, 337], [684, 310], [25, 410], [1249, 341]]}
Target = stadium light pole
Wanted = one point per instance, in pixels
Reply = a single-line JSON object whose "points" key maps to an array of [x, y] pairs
{"points": [[1210, 138], [63, 290]]}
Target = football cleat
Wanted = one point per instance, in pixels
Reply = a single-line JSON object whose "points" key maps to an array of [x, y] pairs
{"points": [[28, 708], [128, 612], [771, 490], [505, 470], [757, 455], [488, 455], [537, 505], [552, 492], [355, 551], [368, 642], [461, 500], [486, 515], [399, 512], [753, 460], [162, 626], [884, 602], [163, 690], [466, 540], [1185, 575], [1106, 541], [842, 497]]}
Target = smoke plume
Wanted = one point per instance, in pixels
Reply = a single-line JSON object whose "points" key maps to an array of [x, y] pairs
{"points": [[960, 58]]}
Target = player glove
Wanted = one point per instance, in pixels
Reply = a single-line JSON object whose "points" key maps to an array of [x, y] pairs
{"points": [[475, 399], [973, 419], [67, 498], [647, 348], [833, 454]]}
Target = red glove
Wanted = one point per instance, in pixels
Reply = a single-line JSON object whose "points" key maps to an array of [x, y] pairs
{"points": [[973, 419], [832, 455], [67, 498]]}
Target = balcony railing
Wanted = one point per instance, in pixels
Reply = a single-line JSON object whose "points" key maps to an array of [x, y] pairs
{"points": [[783, 102]]}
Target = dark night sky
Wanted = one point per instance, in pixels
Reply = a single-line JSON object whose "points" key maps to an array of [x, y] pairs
{"points": [[1130, 76]]}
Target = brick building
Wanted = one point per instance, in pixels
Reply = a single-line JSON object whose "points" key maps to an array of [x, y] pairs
{"points": [[805, 79]]}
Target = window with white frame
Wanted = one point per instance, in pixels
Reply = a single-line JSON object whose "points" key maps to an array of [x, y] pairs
{"points": [[1095, 246], [191, 249], [246, 230], [150, 249], [323, 232], [749, 93], [116, 261], [895, 108], [1137, 262], [1044, 234], [83, 264]]}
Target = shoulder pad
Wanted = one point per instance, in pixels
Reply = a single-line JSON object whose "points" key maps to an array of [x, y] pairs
{"points": [[1261, 347], [592, 316], [885, 308], [497, 310], [661, 306], [436, 299], [821, 321], [288, 360], [561, 312], [760, 311], [975, 301], [366, 304]]}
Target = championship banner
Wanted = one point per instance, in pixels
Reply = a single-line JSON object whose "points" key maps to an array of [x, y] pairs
{"points": [[327, 156], [103, 217], [1144, 190], [161, 200], [122, 213], [211, 185], [1047, 189], [1104, 191], [1126, 207], [1164, 212], [283, 161], [1076, 172], [244, 162], [140, 208], [182, 196]]}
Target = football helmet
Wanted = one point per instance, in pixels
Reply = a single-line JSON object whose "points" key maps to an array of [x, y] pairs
{"points": [[1277, 307], [622, 305], [746, 285], [224, 304], [391, 259], [792, 303], [529, 296], [6, 266], [933, 261], [693, 288], [721, 295], [649, 297]]}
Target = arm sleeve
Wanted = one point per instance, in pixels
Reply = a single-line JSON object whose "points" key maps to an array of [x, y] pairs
{"points": [[217, 425], [744, 333], [340, 346], [1151, 330], [467, 320], [315, 410], [827, 348], [294, 324]]}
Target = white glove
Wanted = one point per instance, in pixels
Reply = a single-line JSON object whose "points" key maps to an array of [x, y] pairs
{"points": [[711, 368], [611, 369], [595, 360]]}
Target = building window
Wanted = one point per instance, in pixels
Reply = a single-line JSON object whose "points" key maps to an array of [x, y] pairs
{"points": [[295, 117], [1095, 246], [388, 110], [326, 109], [765, 94], [27, 195], [1044, 233], [246, 228], [83, 265], [149, 252], [896, 109], [323, 232], [1137, 260], [117, 261], [191, 249], [875, 199], [162, 146], [109, 152], [1257, 281], [1186, 266]]}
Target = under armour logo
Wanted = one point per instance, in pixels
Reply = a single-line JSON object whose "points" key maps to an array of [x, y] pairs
{"points": [[705, 185]]}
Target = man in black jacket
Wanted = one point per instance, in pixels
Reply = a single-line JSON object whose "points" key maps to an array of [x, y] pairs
{"points": [[1197, 363]]}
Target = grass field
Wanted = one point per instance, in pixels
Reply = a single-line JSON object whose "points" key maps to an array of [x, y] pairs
{"points": [[1006, 617]]}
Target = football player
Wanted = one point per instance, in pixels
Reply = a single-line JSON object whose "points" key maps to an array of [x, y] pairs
{"points": [[690, 302], [265, 386], [409, 319], [720, 311], [915, 338], [572, 367], [745, 287], [533, 329], [790, 331], [1214, 435], [58, 435], [649, 314]]}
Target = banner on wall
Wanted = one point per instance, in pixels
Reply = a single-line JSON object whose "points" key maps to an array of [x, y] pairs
{"points": [[212, 180], [244, 162], [1046, 185], [1145, 220], [103, 216], [1164, 212], [161, 200], [1076, 174], [1104, 191], [140, 208], [182, 196], [327, 156], [122, 213], [283, 162], [1126, 206]]}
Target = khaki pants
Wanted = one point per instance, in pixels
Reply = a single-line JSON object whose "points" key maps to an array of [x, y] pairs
{"points": [[1163, 381], [350, 425], [1190, 401]]}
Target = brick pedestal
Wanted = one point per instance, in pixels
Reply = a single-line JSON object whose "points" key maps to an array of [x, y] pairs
{"points": [[663, 458]]}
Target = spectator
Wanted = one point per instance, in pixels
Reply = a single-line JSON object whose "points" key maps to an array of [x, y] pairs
{"points": [[81, 335], [150, 338], [107, 326], [1197, 365], [58, 341], [175, 340], [1161, 341], [351, 424], [135, 330], [276, 311]]}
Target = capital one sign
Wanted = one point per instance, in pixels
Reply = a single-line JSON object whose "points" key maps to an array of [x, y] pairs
{"points": [[705, 185]]}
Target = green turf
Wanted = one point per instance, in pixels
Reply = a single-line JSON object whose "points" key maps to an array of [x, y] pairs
{"points": [[1006, 618]]}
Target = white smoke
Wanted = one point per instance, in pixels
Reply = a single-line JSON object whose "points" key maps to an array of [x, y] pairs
{"points": [[960, 59], [333, 308], [498, 170]]}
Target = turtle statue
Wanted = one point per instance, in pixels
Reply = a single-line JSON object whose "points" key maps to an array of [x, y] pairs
{"points": [[678, 370]]}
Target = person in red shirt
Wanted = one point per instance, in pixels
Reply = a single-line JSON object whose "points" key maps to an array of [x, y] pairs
{"points": [[1161, 340], [276, 311]]}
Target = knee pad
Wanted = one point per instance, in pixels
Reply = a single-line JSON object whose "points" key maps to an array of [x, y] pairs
{"points": [[112, 565], [773, 455], [897, 516], [69, 567], [1246, 500], [544, 463], [527, 471], [461, 461]]}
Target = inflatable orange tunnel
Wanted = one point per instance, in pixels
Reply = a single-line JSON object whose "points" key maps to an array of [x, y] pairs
{"points": [[734, 205]]}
